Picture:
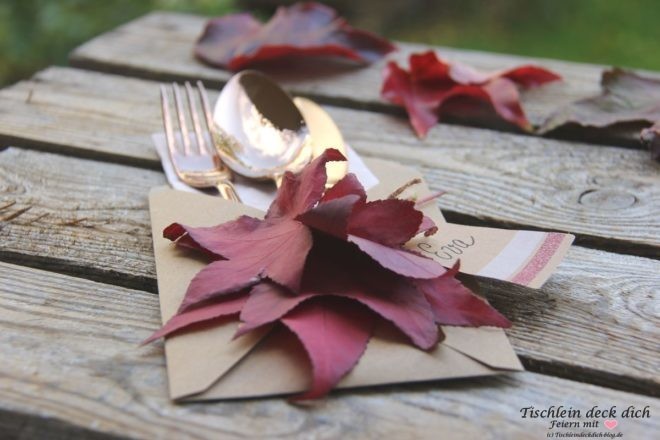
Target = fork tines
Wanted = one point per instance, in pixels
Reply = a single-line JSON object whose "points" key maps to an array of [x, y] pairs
{"points": [[192, 115]]}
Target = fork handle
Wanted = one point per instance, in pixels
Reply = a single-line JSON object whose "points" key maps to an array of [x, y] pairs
{"points": [[227, 191]]}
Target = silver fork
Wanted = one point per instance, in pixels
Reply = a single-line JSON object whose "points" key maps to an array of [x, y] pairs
{"points": [[218, 175]]}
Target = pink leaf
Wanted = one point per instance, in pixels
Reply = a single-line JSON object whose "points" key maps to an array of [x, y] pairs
{"points": [[218, 279], [299, 193], [398, 88], [199, 315], [223, 240], [400, 303], [331, 217], [455, 304], [301, 30], [348, 185], [334, 335], [274, 250], [399, 260], [428, 227], [267, 303], [391, 222], [530, 76]]}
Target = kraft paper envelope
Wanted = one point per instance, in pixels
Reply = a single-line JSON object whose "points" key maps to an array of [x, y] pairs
{"points": [[207, 364]]}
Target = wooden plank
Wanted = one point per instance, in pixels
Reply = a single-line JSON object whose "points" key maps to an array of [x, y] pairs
{"points": [[160, 45], [78, 216], [605, 195], [594, 319], [71, 362]]}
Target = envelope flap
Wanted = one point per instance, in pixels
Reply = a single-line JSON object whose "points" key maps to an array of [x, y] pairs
{"points": [[210, 349], [279, 365], [488, 345]]}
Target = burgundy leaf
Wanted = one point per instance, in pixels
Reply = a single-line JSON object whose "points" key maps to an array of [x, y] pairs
{"points": [[333, 272], [400, 303], [530, 76], [399, 89], [401, 261], [199, 315], [218, 279], [267, 303], [273, 250], [224, 240], [334, 336], [303, 29], [455, 304], [331, 217], [299, 193], [431, 83], [628, 103], [348, 185], [428, 227], [391, 222], [505, 99]]}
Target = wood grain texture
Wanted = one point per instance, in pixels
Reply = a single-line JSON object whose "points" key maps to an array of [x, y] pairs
{"points": [[160, 45], [595, 319], [609, 196], [79, 216], [71, 363]]}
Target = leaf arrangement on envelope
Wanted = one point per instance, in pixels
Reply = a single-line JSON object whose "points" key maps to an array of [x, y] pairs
{"points": [[303, 29], [433, 87], [329, 266]]}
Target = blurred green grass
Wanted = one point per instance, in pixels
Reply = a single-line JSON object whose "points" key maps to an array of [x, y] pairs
{"points": [[38, 33]]}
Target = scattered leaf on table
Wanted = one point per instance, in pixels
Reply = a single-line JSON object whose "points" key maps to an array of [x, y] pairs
{"points": [[433, 87], [303, 29], [628, 103], [329, 266]]}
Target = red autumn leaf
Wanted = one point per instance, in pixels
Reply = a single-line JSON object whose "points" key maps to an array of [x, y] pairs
{"points": [[299, 193], [399, 260], [335, 336], [274, 250], [373, 221], [209, 312], [303, 29], [332, 216], [431, 84], [267, 303], [392, 297], [455, 304], [348, 185], [427, 227], [327, 266]]}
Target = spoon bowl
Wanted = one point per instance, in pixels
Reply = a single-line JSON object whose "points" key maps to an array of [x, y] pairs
{"points": [[260, 131]]}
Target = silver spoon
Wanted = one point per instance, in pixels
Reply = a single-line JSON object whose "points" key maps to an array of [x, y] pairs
{"points": [[260, 131]]}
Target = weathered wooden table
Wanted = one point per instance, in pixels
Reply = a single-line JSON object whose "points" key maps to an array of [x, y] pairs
{"points": [[77, 276]]}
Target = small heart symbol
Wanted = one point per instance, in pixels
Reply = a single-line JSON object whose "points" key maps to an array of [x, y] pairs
{"points": [[610, 424]]}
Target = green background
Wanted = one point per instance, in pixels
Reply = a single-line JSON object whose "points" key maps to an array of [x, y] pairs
{"points": [[38, 33]]}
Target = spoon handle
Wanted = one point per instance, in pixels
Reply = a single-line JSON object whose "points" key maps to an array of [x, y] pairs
{"points": [[228, 191]]}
